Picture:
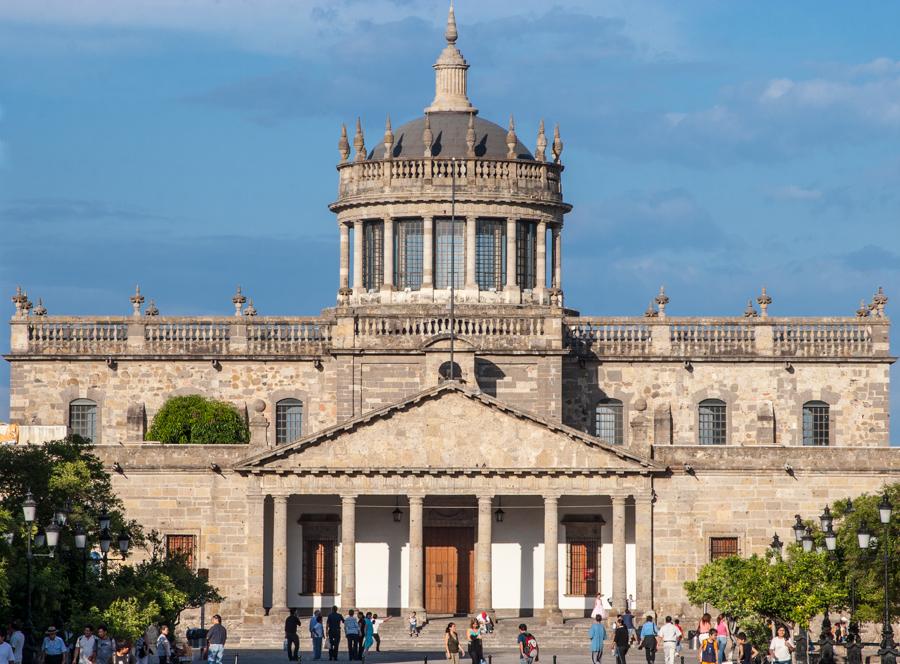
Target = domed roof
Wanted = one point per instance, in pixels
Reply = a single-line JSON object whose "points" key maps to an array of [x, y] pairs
{"points": [[449, 132]]}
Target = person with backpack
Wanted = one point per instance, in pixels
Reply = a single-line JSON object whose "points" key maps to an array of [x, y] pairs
{"points": [[528, 646], [649, 640]]}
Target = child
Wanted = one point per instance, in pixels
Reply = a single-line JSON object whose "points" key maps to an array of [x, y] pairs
{"points": [[413, 624], [709, 647], [746, 652]]}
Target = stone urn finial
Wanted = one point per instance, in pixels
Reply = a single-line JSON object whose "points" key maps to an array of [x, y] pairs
{"points": [[879, 300], [470, 137], [451, 34], [40, 309], [151, 309], [651, 311], [388, 139], [863, 311], [764, 300], [19, 299], [238, 301], [557, 145], [662, 300], [344, 144], [26, 306], [511, 139], [427, 136], [541, 152], [136, 301], [250, 310], [750, 312], [359, 142]]}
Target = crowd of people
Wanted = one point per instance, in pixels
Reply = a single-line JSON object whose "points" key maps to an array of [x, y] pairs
{"points": [[358, 628], [20, 643]]}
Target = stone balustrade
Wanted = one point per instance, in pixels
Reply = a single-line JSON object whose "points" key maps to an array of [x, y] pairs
{"points": [[535, 328], [535, 180]]}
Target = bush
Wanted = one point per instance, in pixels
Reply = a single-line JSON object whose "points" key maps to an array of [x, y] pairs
{"points": [[197, 420]]}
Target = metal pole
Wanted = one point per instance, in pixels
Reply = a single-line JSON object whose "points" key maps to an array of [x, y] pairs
{"points": [[452, 262], [888, 649], [28, 558]]}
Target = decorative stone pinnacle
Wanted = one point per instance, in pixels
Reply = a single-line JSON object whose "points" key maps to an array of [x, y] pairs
{"points": [[450, 74], [662, 300], [238, 301], [541, 152], [451, 34], [40, 309], [557, 145], [136, 301], [750, 312], [470, 137], [427, 136], [344, 144], [26, 305], [863, 310], [879, 300], [651, 311], [151, 309], [359, 142], [388, 139], [764, 300], [19, 299], [511, 139], [250, 310]]}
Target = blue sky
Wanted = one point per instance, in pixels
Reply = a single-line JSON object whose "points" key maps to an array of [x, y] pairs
{"points": [[714, 147]]}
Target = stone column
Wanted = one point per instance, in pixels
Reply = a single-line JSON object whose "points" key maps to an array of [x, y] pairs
{"points": [[471, 224], [279, 554], [388, 241], [541, 282], [416, 556], [427, 253], [345, 256], [557, 257], [348, 552], [512, 286], [483, 561], [357, 257], [552, 612], [643, 540], [254, 559], [620, 585]]}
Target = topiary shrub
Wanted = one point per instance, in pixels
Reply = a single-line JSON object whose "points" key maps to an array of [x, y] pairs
{"points": [[197, 420]]}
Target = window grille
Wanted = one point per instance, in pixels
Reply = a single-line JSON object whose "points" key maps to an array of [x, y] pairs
{"points": [[181, 545], [373, 255], [288, 420], [816, 423], [83, 419], [583, 566], [449, 238], [408, 254], [319, 570], [722, 547], [526, 254], [608, 421], [490, 253], [713, 424]]}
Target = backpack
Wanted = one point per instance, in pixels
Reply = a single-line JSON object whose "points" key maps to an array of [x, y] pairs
{"points": [[531, 646]]}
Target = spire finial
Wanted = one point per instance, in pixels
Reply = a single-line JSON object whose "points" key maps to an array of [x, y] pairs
{"points": [[136, 301], [662, 300], [470, 137], [450, 34], [511, 139], [152, 309], [238, 301], [863, 310], [250, 310], [764, 300], [557, 145], [388, 139], [750, 312], [359, 142], [40, 309], [19, 300], [427, 136], [344, 144], [541, 152]]}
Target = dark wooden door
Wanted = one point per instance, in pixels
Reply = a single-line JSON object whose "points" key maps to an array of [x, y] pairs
{"points": [[449, 569]]}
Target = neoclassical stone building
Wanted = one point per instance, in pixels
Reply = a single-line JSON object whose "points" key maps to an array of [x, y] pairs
{"points": [[567, 455]]}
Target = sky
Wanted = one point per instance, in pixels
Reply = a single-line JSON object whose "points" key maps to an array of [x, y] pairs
{"points": [[190, 145]]}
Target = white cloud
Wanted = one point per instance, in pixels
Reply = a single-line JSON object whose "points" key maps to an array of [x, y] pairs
{"points": [[793, 192]]}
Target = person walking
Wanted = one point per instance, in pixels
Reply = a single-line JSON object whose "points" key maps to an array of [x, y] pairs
{"points": [[123, 654], [163, 646], [215, 641], [376, 623], [317, 633], [106, 646], [628, 619], [670, 636], [597, 636], [85, 648], [333, 623], [649, 639], [746, 652], [366, 634], [476, 646], [703, 627], [17, 641], [528, 646], [351, 629], [6, 652], [451, 644], [709, 647], [621, 639], [722, 634], [781, 646], [291, 637], [53, 647]]}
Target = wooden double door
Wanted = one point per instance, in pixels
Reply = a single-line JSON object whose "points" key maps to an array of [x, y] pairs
{"points": [[449, 569]]}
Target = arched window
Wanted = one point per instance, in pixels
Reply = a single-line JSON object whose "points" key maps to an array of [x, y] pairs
{"points": [[288, 420], [713, 423], [816, 423], [608, 421], [83, 419], [373, 254]]}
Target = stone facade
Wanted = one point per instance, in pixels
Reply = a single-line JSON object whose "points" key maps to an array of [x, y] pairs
{"points": [[389, 452]]}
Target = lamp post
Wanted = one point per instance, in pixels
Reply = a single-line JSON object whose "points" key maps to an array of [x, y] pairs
{"points": [[888, 649], [51, 536], [775, 547]]}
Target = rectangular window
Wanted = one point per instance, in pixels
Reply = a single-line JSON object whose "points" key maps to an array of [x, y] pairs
{"points": [[408, 254], [815, 424], [526, 254], [288, 420], [83, 419], [373, 255], [490, 253], [181, 545], [319, 570], [583, 566], [713, 422], [449, 244], [608, 424], [722, 547]]}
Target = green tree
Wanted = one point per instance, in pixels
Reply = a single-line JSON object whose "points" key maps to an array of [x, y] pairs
{"points": [[197, 420]]}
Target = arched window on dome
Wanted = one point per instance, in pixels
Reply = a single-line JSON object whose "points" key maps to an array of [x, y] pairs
{"points": [[83, 419], [408, 259], [713, 423], [490, 254], [816, 423], [373, 254], [526, 254], [288, 420], [449, 250], [608, 421]]}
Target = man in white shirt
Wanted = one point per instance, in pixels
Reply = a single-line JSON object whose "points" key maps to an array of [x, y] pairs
{"points": [[17, 641], [6, 651], [670, 636], [86, 647]]}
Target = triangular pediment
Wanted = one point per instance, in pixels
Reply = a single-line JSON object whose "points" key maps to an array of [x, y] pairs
{"points": [[453, 429]]}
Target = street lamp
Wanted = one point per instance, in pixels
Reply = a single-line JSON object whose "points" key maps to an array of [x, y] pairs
{"points": [[499, 513], [830, 538], [888, 649], [863, 537], [29, 508], [799, 528], [104, 521], [124, 541], [807, 541], [825, 520], [50, 534]]}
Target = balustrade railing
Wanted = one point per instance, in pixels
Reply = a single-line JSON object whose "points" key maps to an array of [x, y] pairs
{"points": [[825, 339], [712, 338], [288, 336], [467, 326], [74, 337], [190, 335], [606, 337]]}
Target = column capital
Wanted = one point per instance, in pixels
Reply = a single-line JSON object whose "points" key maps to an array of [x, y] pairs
{"points": [[643, 499], [348, 499], [551, 498], [486, 498], [280, 499], [417, 498], [618, 499]]}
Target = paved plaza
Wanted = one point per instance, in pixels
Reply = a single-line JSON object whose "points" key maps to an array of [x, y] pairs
{"points": [[497, 656]]}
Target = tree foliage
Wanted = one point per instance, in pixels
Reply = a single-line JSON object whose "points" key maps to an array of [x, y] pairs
{"points": [[197, 420]]}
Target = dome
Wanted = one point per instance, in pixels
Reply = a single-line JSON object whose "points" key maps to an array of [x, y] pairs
{"points": [[449, 132]]}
